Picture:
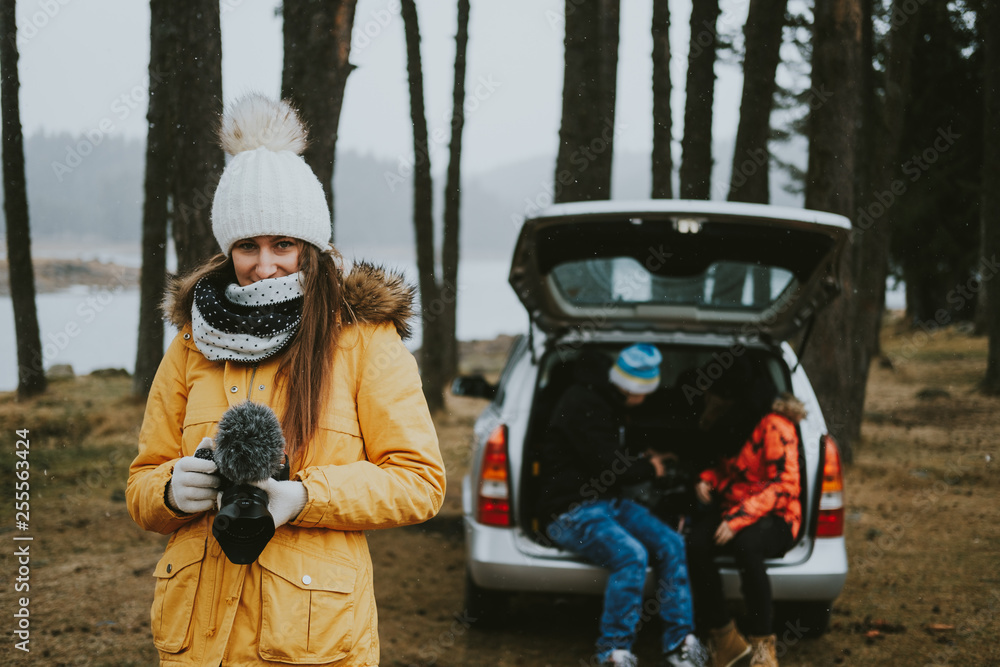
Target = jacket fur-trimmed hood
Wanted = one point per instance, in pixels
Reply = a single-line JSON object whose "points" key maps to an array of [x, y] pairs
{"points": [[787, 405], [372, 295]]}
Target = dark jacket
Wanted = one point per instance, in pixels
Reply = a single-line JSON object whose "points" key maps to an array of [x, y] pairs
{"points": [[585, 456]]}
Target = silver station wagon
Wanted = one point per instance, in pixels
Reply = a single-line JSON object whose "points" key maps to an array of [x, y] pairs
{"points": [[702, 281]]}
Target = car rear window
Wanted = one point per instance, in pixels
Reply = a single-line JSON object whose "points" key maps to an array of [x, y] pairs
{"points": [[723, 284]]}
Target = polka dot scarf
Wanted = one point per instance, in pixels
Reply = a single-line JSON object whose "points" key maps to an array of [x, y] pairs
{"points": [[247, 324]]}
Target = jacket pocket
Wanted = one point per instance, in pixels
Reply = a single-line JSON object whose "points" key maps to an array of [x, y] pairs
{"points": [[307, 606], [342, 423], [177, 576], [200, 422], [339, 441]]}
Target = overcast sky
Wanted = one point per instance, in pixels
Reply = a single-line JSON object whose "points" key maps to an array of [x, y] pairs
{"points": [[85, 61]]}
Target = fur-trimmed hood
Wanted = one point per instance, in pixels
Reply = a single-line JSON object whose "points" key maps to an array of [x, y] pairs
{"points": [[372, 295], [788, 406]]}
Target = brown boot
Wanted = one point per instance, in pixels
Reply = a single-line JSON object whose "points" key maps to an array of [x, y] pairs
{"points": [[763, 652], [727, 646]]}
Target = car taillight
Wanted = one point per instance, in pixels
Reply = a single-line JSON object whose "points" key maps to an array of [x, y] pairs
{"points": [[831, 502], [494, 486]]}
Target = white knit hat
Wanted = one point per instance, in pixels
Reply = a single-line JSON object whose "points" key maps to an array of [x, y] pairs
{"points": [[267, 188]]}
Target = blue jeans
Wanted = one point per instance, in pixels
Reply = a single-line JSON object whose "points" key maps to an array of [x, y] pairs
{"points": [[624, 537]]}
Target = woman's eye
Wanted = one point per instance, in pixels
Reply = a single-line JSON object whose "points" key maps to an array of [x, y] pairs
{"points": [[245, 245], [286, 243]]}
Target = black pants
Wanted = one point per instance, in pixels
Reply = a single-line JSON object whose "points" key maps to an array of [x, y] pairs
{"points": [[768, 538]]}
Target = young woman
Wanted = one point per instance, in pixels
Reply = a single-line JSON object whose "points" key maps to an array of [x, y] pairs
{"points": [[753, 509], [275, 321]]}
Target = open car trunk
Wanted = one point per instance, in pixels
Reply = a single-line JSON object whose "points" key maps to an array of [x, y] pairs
{"points": [[667, 421], [675, 265]]}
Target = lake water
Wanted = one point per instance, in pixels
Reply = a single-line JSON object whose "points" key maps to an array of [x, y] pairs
{"points": [[96, 328]]}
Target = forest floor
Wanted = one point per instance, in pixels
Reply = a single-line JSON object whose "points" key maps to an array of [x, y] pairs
{"points": [[922, 534]]}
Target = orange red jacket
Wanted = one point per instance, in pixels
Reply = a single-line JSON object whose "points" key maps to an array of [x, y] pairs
{"points": [[763, 478]]}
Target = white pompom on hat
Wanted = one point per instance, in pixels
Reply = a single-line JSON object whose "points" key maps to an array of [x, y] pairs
{"points": [[267, 189]]}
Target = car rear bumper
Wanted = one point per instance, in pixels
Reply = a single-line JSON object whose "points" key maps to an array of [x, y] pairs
{"points": [[495, 562]]}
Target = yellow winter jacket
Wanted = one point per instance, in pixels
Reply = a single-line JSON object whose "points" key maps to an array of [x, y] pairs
{"points": [[373, 463]]}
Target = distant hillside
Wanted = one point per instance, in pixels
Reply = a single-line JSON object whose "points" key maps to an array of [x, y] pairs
{"points": [[373, 206], [86, 193], [79, 191], [98, 197], [523, 185]]}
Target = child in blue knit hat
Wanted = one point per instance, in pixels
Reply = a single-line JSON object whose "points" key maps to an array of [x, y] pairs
{"points": [[587, 465]]}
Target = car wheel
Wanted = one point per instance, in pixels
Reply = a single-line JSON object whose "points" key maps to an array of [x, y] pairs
{"points": [[487, 607], [807, 620]]}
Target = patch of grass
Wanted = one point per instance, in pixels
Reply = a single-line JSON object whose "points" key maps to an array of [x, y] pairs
{"points": [[82, 432], [949, 345]]}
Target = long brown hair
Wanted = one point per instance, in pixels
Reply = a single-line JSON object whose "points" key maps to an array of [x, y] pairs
{"points": [[307, 364]]}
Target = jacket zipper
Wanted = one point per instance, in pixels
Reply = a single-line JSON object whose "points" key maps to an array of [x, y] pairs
{"points": [[252, 376]]}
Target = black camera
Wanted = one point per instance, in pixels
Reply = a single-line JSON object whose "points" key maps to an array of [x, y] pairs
{"points": [[666, 495], [243, 526], [249, 447]]}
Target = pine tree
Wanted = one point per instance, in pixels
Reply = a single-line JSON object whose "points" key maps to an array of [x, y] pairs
{"points": [[453, 198], [663, 161], [749, 180], [696, 145], [317, 38], [989, 211], [183, 158], [830, 187], [586, 131], [31, 372], [195, 79], [159, 167]]}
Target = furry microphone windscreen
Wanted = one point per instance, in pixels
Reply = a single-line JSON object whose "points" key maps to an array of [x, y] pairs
{"points": [[249, 446]]}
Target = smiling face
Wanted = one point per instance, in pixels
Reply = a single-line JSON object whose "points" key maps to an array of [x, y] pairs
{"points": [[263, 257]]}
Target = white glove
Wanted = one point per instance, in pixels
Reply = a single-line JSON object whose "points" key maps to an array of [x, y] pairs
{"points": [[194, 484], [284, 499]]}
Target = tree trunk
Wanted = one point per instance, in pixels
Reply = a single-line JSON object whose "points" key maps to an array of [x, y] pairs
{"points": [[453, 199], [749, 181], [663, 161], [868, 176], [586, 131], [183, 159], [31, 372], [431, 352], [196, 79], [881, 134], [159, 167], [696, 145], [762, 35], [989, 211], [830, 187], [604, 96], [317, 38]]}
